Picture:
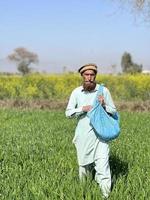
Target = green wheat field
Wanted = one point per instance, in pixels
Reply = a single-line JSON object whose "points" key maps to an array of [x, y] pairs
{"points": [[38, 160]]}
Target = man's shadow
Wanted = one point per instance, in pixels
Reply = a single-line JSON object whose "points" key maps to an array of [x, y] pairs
{"points": [[118, 167]]}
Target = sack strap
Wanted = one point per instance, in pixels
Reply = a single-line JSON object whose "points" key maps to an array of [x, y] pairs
{"points": [[99, 92]]}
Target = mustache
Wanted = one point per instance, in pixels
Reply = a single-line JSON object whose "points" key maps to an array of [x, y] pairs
{"points": [[89, 81]]}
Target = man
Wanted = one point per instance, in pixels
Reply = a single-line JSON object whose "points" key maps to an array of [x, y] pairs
{"points": [[91, 151]]}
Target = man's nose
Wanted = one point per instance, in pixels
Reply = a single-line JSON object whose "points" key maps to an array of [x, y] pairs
{"points": [[89, 77]]}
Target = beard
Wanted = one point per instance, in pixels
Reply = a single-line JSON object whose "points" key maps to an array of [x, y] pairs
{"points": [[89, 85]]}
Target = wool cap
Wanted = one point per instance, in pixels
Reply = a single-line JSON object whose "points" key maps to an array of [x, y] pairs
{"points": [[90, 66]]}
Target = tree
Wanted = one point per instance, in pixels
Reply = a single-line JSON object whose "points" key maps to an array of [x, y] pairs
{"points": [[126, 62], [23, 58], [140, 8], [128, 66], [114, 68]]}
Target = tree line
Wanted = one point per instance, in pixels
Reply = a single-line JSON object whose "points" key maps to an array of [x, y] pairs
{"points": [[24, 58]]}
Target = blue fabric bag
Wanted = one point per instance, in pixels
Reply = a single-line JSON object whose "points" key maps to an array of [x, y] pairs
{"points": [[106, 126]]}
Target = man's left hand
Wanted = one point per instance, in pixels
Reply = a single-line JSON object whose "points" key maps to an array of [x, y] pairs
{"points": [[101, 99]]}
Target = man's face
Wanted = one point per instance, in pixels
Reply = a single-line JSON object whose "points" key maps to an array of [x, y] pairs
{"points": [[89, 76], [89, 80]]}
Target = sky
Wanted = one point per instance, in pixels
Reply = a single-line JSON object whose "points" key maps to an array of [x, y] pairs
{"points": [[66, 34]]}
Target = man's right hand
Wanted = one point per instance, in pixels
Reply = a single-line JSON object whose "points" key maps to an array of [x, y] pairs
{"points": [[86, 108]]}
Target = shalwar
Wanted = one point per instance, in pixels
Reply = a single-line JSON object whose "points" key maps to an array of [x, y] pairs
{"points": [[90, 149]]}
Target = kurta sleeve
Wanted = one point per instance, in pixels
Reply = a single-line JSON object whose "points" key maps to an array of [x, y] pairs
{"points": [[72, 110], [109, 104]]}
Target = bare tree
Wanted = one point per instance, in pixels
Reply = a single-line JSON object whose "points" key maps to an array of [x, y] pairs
{"points": [[23, 58], [114, 68], [139, 8]]}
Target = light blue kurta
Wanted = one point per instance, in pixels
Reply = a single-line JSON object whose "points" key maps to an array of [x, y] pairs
{"points": [[85, 140]]}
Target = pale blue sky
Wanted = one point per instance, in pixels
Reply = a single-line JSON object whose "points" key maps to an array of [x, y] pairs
{"points": [[71, 33]]}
